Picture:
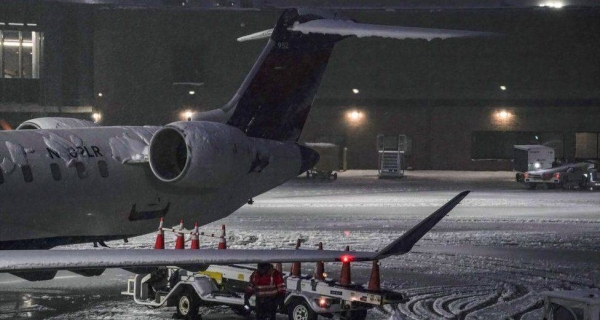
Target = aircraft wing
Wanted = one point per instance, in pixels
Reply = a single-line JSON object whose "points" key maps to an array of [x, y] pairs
{"points": [[23, 262]]}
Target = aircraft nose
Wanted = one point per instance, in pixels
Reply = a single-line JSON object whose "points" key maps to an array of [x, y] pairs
{"points": [[309, 158]]}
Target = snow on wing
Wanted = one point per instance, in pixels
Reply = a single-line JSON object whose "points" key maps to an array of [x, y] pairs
{"points": [[15, 261], [350, 28]]}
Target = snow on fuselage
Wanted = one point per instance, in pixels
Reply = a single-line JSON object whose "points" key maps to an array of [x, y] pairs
{"points": [[78, 185]]}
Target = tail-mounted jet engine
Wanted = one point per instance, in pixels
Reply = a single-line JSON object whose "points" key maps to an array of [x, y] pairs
{"points": [[197, 153]]}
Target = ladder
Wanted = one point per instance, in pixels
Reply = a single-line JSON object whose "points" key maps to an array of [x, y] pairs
{"points": [[391, 156]]}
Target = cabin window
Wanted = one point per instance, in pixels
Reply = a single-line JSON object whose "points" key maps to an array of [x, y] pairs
{"points": [[55, 169], [103, 168], [27, 174], [80, 167]]}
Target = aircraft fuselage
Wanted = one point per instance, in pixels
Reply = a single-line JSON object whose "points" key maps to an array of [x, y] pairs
{"points": [[78, 185]]}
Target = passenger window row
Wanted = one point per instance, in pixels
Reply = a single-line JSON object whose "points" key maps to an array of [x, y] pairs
{"points": [[57, 174]]}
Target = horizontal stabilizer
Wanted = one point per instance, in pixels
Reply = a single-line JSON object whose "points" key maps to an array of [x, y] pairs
{"points": [[43, 264], [256, 36], [350, 28]]}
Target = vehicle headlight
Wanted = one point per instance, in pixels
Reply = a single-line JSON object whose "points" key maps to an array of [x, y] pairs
{"points": [[537, 165]]}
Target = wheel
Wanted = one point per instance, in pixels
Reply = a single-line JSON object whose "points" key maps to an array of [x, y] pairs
{"points": [[335, 176], [299, 310], [550, 185], [187, 305], [355, 315], [532, 186]]}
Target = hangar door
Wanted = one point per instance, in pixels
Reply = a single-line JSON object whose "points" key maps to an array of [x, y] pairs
{"points": [[586, 145]]}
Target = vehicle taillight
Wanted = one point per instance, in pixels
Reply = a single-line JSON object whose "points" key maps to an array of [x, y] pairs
{"points": [[557, 175], [526, 175]]}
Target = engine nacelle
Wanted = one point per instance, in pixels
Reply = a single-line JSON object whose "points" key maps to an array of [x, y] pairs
{"points": [[200, 154], [55, 123]]}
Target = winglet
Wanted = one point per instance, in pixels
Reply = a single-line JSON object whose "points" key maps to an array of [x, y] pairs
{"points": [[405, 243]]}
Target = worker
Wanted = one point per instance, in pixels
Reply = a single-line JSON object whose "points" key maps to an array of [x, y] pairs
{"points": [[267, 285]]}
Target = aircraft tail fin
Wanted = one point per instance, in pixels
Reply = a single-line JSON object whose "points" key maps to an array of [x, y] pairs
{"points": [[274, 100]]}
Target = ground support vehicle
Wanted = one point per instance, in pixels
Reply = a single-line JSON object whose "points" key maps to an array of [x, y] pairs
{"points": [[329, 161], [306, 297], [582, 175], [572, 305]]}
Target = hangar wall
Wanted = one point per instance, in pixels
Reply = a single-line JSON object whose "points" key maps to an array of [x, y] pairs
{"points": [[140, 66]]}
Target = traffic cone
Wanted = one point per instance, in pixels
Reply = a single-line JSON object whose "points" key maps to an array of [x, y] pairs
{"points": [[320, 269], [277, 266], [180, 242], [374, 283], [222, 241], [195, 238], [346, 278], [160, 236], [296, 266]]}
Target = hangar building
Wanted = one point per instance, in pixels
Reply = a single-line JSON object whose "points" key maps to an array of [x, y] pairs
{"points": [[463, 102]]}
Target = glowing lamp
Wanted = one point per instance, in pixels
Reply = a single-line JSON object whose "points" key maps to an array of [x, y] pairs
{"points": [[346, 258], [97, 117], [355, 117], [187, 115]]}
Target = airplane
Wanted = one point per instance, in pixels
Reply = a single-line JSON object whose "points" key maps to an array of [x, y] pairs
{"points": [[66, 181]]}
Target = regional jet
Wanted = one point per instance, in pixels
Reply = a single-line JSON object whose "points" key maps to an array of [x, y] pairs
{"points": [[66, 181]]}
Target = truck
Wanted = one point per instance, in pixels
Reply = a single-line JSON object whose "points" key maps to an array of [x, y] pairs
{"points": [[582, 175], [329, 161], [532, 158], [306, 297]]}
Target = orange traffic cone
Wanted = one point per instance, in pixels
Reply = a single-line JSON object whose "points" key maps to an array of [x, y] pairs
{"points": [[277, 266], [374, 283], [160, 236], [222, 241], [296, 266], [346, 278], [320, 269], [180, 242], [195, 238]]}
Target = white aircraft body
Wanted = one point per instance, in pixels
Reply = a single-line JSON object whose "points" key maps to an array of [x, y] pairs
{"points": [[68, 181]]}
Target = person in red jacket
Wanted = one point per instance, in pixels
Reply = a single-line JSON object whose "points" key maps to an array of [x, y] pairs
{"points": [[268, 286]]}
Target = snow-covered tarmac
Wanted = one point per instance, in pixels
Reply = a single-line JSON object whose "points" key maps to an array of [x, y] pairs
{"points": [[489, 259]]}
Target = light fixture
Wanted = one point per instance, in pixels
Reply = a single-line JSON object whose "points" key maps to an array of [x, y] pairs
{"points": [[97, 117], [100, 94], [503, 114], [192, 92], [355, 91], [187, 115], [552, 4], [503, 88], [15, 43]]}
